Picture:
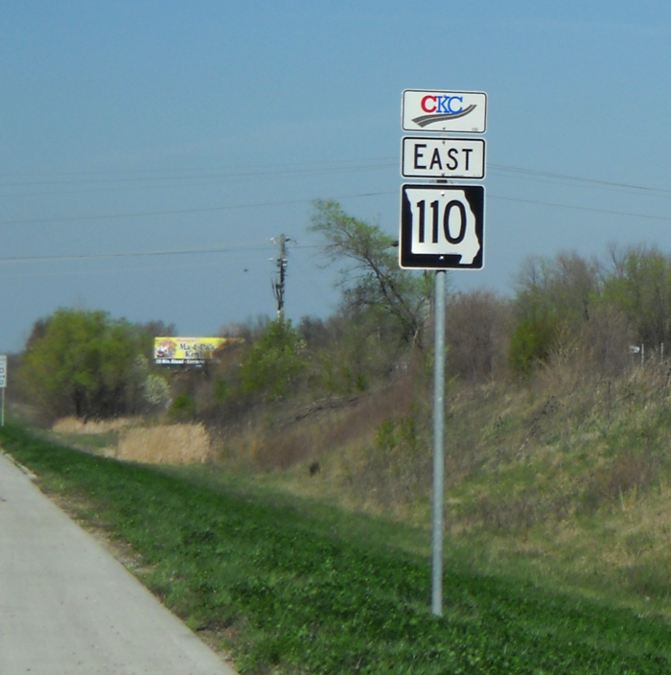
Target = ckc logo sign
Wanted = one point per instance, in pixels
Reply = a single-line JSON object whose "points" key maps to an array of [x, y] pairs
{"points": [[444, 111]]}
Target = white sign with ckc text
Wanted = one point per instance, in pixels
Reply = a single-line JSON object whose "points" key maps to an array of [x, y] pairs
{"points": [[440, 110]]}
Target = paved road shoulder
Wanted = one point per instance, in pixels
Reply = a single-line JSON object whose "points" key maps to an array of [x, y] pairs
{"points": [[67, 606]]}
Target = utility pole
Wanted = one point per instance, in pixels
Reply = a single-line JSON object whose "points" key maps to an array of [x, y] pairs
{"points": [[280, 285]]}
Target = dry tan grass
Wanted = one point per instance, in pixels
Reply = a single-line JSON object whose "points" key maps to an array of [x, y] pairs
{"points": [[163, 444], [75, 425], [166, 444]]}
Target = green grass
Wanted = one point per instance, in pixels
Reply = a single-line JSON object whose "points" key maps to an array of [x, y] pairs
{"points": [[291, 589], [91, 442]]}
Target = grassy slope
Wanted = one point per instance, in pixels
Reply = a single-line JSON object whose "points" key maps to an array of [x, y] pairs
{"points": [[565, 480], [294, 593]]}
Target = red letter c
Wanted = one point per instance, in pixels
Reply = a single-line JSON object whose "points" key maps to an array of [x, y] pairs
{"points": [[425, 104]]}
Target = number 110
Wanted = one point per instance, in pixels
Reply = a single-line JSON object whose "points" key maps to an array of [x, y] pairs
{"points": [[447, 221]]}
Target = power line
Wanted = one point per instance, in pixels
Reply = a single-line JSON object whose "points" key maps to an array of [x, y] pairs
{"points": [[337, 166], [359, 195], [333, 166], [258, 247], [502, 168], [173, 212], [131, 254], [577, 179], [591, 209], [144, 254], [144, 181], [264, 247]]}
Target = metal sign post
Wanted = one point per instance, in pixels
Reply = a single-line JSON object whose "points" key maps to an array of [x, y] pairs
{"points": [[438, 445]]}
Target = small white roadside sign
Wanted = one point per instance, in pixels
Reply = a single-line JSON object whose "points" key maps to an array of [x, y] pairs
{"points": [[440, 110], [435, 157]]}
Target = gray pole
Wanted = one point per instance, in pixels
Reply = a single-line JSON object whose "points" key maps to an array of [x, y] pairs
{"points": [[438, 444]]}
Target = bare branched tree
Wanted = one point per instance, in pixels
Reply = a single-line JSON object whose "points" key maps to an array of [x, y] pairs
{"points": [[371, 277]]}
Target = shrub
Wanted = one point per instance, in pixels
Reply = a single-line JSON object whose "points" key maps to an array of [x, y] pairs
{"points": [[183, 408], [275, 362], [530, 343], [82, 363]]}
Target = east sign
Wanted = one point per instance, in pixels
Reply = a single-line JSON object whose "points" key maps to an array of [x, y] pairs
{"points": [[434, 157]]}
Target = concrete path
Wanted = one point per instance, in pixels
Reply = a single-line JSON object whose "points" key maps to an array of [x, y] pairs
{"points": [[67, 607]]}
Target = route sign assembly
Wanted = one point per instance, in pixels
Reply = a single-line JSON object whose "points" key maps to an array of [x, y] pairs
{"points": [[437, 157], [442, 227]]}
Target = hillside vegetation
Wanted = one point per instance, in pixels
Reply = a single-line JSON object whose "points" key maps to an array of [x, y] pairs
{"points": [[292, 589], [563, 477], [558, 417]]}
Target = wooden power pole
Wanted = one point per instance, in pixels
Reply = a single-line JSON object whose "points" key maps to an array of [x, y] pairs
{"points": [[279, 285]]}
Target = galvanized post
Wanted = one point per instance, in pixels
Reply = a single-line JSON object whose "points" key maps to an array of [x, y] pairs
{"points": [[438, 444]]}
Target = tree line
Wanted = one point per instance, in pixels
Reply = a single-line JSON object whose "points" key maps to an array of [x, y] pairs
{"points": [[590, 310]]}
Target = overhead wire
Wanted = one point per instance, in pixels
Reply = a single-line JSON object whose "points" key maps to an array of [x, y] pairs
{"points": [[145, 254], [287, 202], [590, 209], [336, 165], [596, 182], [172, 212], [333, 166]]}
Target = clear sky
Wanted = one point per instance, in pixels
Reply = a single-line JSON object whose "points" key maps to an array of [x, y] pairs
{"points": [[147, 126]]}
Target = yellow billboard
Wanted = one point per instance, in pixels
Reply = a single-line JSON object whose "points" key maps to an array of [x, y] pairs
{"points": [[191, 351]]}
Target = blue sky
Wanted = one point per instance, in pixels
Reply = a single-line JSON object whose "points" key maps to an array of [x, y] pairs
{"points": [[145, 126]]}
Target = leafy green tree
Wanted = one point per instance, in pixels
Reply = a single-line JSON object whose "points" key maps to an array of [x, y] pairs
{"points": [[273, 365], [183, 409], [555, 298], [357, 354], [639, 284], [566, 286], [84, 363], [372, 278], [531, 343]]}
